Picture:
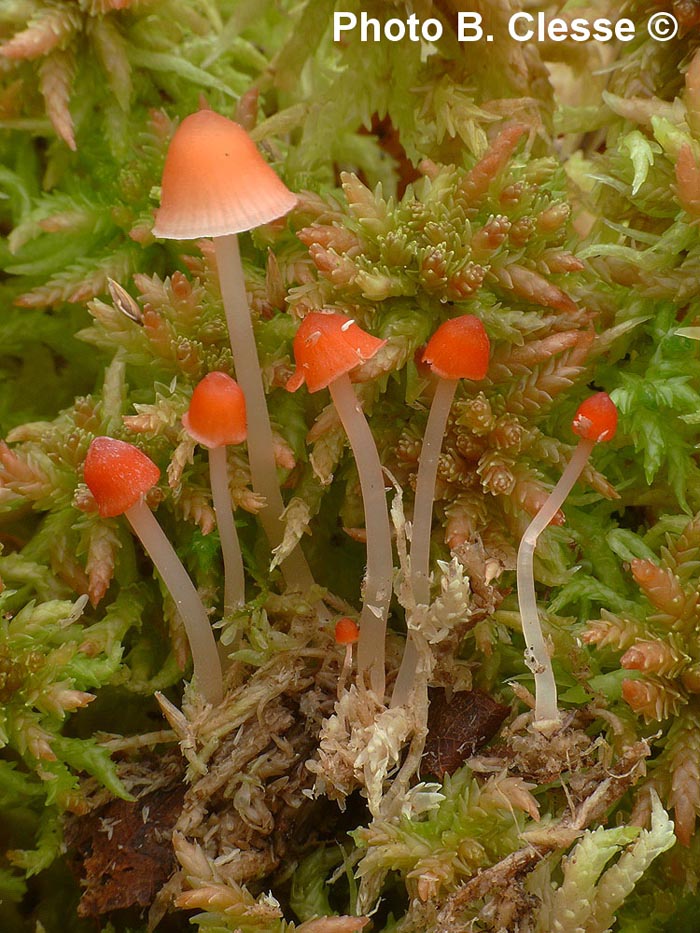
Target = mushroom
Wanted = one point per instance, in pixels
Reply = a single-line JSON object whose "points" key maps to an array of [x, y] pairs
{"points": [[346, 633], [459, 349], [216, 418], [327, 347], [119, 475], [216, 184], [595, 420]]}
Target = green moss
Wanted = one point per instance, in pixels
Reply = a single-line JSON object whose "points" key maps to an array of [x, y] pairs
{"points": [[575, 242]]}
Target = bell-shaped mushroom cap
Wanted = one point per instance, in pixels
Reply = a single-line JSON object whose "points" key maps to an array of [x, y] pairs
{"points": [[327, 346], [117, 474], [347, 631], [459, 349], [216, 416], [215, 182], [596, 418]]}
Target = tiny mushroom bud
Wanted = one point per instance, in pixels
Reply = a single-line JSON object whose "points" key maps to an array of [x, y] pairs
{"points": [[216, 184], [327, 347], [119, 475], [595, 420], [216, 418], [459, 349], [346, 633]]}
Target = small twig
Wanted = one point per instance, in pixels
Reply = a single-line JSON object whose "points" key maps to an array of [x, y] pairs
{"points": [[120, 743]]}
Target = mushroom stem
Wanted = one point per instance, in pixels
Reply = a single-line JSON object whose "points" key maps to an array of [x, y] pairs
{"points": [[421, 526], [425, 488], [205, 657], [345, 671], [378, 578], [234, 577], [536, 654], [260, 443]]}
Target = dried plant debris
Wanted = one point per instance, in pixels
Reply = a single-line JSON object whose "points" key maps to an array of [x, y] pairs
{"points": [[457, 727], [122, 850], [247, 804]]}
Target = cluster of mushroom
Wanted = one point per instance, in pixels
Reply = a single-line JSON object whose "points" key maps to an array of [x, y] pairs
{"points": [[216, 184], [120, 475]]}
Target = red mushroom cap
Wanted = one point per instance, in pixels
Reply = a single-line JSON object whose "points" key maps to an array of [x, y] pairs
{"points": [[215, 182], [596, 418], [327, 346], [346, 631], [117, 474], [459, 349], [216, 416]]}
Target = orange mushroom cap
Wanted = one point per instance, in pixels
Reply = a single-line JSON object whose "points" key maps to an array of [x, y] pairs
{"points": [[327, 346], [117, 474], [347, 631], [216, 416], [215, 182], [596, 418], [459, 349]]}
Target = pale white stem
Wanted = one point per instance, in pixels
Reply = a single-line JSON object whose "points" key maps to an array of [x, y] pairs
{"points": [[261, 453], [378, 579], [536, 654], [205, 657], [422, 525], [234, 577], [345, 671]]}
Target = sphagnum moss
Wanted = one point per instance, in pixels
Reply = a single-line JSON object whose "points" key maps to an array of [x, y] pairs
{"points": [[469, 184]]}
